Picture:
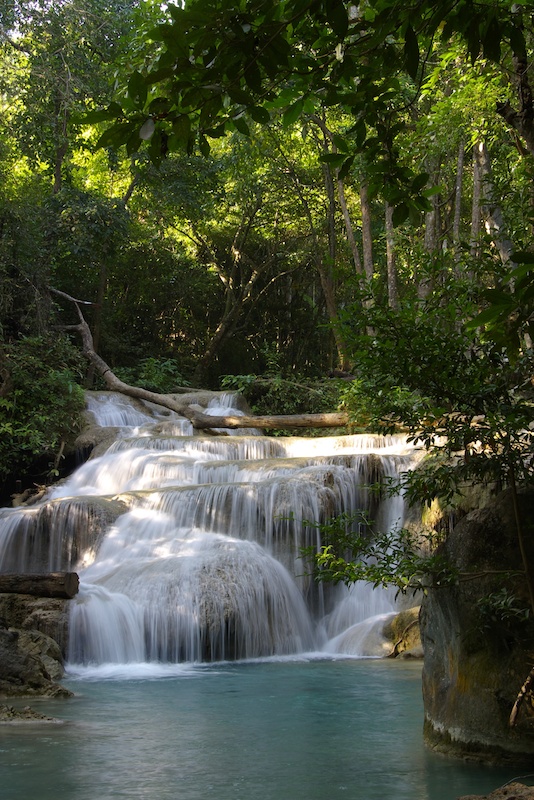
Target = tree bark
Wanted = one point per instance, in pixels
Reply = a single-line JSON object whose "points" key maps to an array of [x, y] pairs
{"points": [[475, 206], [393, 296], [367, 237], [349, 230], [284, 421], [50, 584], [491, 208], [521, 120], [458, 200]]}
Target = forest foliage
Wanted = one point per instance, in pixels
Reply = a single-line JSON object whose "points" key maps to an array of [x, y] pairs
{"points": [[282, 190]]}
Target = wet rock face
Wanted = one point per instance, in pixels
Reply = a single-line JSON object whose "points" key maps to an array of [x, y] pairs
{"points": [[31, 660], [475, 657], [23, 664]]}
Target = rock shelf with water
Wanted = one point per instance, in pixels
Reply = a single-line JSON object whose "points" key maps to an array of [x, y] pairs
{"points": [[189, 547]]}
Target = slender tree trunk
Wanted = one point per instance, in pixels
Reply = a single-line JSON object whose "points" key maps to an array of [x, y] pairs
{"points": [[326, 272], [431, 237], [522, 118], [367, 236], [491, 207], [348, 228], [458, 200], [393, 296], [475, 206]]}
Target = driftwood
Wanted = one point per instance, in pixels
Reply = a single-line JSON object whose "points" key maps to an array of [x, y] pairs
{"points": [[50, 584], [524, 693], [197, 418]]}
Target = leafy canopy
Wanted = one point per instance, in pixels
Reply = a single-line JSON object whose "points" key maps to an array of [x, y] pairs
{"points": [[215, 66]]}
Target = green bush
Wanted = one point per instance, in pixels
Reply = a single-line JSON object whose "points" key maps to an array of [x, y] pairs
{"points": [[154, 374], [40, 401]]}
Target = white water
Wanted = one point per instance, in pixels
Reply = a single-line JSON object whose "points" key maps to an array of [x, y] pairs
{"points": [[189, 548]]}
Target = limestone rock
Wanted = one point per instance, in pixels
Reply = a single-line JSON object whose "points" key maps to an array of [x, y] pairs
{"points": [[30, 662], [48, 615], [402, 631], [475, 665]]}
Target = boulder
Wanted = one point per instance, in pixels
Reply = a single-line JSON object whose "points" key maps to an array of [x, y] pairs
{"points": [[25, 659], [477, 645], [402, 631], [33, 640]]}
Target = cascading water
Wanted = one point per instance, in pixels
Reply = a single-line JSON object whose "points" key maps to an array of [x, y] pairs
{"points": [[189, 547]]}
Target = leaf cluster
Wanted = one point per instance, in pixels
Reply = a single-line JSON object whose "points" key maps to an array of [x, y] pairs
{"points": [[464, 400], [154, 374], [276, 394], [41, 401], [351, 551]]}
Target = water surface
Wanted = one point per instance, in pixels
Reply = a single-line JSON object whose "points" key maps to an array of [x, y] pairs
{"points": [[286, 729]]}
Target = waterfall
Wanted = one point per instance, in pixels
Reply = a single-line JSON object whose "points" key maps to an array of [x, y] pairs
{"points": [[189, 547]]}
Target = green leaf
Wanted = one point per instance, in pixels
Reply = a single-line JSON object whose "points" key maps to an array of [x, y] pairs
{"points": [[159, 106], [522, 257], [113, 111], [133, 144], [346, 167], [117, 135], [253, 76], [259, 114], [204, 146], [238, 95], [137, 89], [292, 113], [240, 125], [401, 213], [341, 143], [411, 52], [419, 182], [337, 17], [491, 43], [334, 159], [181, 129]]}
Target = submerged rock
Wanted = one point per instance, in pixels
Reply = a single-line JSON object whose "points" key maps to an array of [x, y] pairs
{"points": [[511, 791], [10, 714], [478, 643]]}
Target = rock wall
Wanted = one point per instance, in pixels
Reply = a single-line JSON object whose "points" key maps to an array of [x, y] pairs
{"points": [[33, 637], [475, 662]]}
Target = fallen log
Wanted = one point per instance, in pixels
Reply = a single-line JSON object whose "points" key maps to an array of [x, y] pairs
{"points": [[197, 418], [333, 420], [49, 584]]}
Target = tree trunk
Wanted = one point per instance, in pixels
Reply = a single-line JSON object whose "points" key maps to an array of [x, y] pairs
{"points": [[367, 238], [522, 120], [348, 228], [432, 235], [50, 584], [272, 421], [475, 206], [491, 208], [393, 296], [458, 200]]}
